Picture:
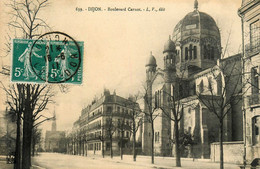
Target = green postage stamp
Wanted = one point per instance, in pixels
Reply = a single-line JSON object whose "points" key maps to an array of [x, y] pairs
{"points": [[49, 59]]}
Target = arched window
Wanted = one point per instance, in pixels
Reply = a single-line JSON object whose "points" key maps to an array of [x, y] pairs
{"points": [[177, 57], [194, 89], [186, 53], [210, 83], [195, 52], [208, 51], [172, 58], [219, 83], [255, 80], [212, 53], [156, 100], [172, 90], [181, 92], [190, 51], [205, 52], [201, 87], [256, 130]]}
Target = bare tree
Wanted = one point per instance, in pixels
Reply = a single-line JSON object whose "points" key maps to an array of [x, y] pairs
{"points": [[136, 119], [36, 139], [174, 111], [26, 98], [25, 20], [224, 90], [28, 101], [15, 101], [121, 128], [173, 106], [124, 126], [150, 115], [102, 139], [109, 127]]}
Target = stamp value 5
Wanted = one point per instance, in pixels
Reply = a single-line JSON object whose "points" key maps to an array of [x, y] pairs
{"points": [[54, 57]]}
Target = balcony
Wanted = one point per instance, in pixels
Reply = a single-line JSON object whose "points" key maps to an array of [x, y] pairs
{"points": [[97, 127], [118, 114], [97, 115], [254, 100], [93, 136], [252, 49]]}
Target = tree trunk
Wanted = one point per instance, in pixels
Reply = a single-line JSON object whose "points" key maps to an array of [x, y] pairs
{"points": [[17, 162], [27, 131], [134, 151], [177, 150], [121, 145], [103, 151], [83, 150], [73, 147], [77, 147], [111, 147], [33, 146], [221, 156], [152, 152], [86, 148]]}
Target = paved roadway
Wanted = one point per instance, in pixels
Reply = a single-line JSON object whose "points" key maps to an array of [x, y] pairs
{"points": [[63, 161]]}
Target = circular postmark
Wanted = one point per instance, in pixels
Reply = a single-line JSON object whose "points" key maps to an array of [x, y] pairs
{"points": [[58, 57]]}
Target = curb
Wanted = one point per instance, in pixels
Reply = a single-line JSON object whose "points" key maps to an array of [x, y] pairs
{"points": [[36, 166]]}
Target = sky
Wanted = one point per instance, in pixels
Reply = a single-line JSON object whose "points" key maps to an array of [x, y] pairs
{"points": [[117, 44]]}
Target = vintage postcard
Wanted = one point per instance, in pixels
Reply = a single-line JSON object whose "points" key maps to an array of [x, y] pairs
{"points": [[129, 84]]}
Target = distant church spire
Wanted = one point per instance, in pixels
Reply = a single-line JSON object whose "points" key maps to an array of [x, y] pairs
{"points": [[196, 4], [54, 126]]}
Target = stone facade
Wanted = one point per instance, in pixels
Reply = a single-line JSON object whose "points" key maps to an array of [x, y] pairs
{"points": [[249, 13], [233, 152], [108, 114], [192, 61]]}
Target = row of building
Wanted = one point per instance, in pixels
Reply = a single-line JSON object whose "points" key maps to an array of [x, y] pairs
{"points": [[192, 57], [109, 115]]}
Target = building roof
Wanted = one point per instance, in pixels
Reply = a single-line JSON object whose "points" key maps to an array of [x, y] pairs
{"points": [[151, 61], [233, 58], [107, 98], [169, 46], [196, 24]]}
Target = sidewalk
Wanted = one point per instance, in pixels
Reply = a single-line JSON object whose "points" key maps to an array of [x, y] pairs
{"points": [[165, 162], [4, 165], [141, 161]]}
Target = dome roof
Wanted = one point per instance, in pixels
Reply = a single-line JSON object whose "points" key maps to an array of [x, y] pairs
{"points": [[169, 46], [196, 24], [151, 61]]}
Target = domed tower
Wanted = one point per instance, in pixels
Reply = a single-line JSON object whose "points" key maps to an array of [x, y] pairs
{"points": [[169, 55], [170, 59], [199, 39], [150, 67], [147, 130]]}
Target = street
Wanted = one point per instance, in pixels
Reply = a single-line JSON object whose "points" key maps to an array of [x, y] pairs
{"points": [[64, 161]]}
